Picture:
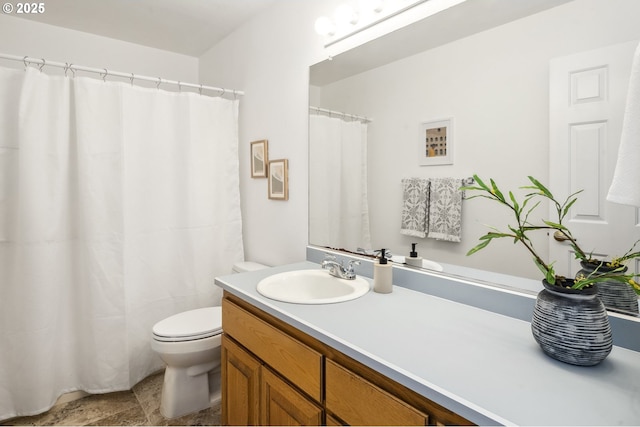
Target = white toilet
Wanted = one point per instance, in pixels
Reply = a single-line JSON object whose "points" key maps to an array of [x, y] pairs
{"points": [[189, 344]]}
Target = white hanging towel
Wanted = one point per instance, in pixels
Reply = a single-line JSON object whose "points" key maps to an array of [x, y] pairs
{"points": [[415, 199], [445, 210], [625, 188]]}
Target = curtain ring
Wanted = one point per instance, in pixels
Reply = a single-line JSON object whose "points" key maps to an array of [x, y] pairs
{"points": [[131, 79], [200, 90], [66, 68], [179, 86], [104, 75], [234, 95], [26, 64], [42, 65], [158, 84], [223, 92]]}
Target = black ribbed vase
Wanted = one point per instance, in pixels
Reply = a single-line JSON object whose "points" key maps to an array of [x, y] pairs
{"points": [[613, 294], [572, 325]]}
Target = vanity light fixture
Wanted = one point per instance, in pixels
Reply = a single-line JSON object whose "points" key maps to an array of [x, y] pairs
{"points": [[378, 5], [345, 15], [355, 16], [324, 26]]}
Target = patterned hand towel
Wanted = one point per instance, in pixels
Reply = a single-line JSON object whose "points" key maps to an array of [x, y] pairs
{"points": [[445, 210], [415, 199]]}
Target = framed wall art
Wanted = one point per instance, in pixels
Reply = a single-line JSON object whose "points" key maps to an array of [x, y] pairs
{"points": [[436, 142], [259, 158], [279, 179]]}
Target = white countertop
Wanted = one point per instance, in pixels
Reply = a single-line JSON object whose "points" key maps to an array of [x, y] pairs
{"points": [[484, 366]]}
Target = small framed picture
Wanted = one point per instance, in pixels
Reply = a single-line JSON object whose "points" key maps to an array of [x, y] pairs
{"points": [[259, 159], [279, 179], [436, 142]]}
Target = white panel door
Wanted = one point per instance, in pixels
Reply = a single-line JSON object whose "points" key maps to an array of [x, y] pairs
{"points": [[587, 98]]}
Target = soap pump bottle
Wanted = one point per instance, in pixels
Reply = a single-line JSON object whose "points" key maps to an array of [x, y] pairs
{"points": [[413, 258], [382, 275]]}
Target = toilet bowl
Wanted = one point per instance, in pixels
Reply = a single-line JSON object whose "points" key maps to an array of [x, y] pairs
{"points": [[189, 345]]}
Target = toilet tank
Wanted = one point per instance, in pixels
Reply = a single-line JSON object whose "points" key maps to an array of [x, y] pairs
{"points": [[244, 266]]}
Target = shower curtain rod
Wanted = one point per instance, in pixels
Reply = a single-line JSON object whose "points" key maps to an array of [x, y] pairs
{"points": [[105, 72], [343, 115]]}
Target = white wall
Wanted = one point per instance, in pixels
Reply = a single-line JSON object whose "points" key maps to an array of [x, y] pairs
{"points": [[269, 59], [23, 37]]}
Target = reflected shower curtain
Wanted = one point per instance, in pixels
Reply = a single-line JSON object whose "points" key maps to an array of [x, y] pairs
{"points": [[338, 205], [118, 207]]}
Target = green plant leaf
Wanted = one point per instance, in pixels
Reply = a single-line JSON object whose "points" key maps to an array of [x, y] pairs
{"points": [[578, 253], [541, 187], [554, 225], [496, 191], [481, 183], [495, 235], [548, 272], [516, 206], [566, 208], [478, 247]]}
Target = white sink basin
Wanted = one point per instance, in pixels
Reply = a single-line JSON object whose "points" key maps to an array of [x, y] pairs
{"points": [[311, 287], [431, 265]]}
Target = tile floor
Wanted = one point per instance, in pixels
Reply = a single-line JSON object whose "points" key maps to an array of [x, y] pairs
{"points": [[137, 407]]}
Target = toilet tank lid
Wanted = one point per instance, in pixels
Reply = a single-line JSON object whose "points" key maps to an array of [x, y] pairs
{"points": [[198, 322], [241, 267]]}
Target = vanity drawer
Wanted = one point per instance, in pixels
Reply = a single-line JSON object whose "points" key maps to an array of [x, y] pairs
{"points": [[359, 402], [292, 359]]}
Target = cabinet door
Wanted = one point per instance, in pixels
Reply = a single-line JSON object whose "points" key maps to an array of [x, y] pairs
{"points": [[294, 360], [359, 402], [240, 385], [282, 405]]}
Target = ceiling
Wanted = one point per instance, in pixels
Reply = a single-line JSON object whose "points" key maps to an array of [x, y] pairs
{"points": [[189, 27]]}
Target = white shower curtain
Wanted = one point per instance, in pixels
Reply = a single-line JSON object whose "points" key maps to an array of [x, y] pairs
{"points": [[338, 204], [118, 207]]}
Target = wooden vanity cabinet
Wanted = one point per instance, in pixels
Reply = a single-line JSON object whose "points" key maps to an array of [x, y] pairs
{"points": [[274, 374], [240, 385], [282, 405]]}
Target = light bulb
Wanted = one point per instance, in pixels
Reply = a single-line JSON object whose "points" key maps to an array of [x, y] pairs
{"points": [[324, 26], [345, 15]]}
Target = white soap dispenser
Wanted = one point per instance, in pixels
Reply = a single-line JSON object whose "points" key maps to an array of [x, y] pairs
{"points": [[413, 258], [382, 275]]}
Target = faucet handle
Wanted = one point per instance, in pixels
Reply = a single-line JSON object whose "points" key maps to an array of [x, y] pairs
{"points": [[351, 264]]}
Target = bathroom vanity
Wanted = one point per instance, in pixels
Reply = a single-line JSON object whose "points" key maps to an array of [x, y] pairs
{"points": [[274, 374], [405, 358]]}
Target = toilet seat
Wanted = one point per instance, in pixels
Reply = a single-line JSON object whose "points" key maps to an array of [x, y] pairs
{"points": [[190, 325]]}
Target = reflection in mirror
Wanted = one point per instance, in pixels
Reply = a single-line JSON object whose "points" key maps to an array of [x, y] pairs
{"points": [[338, 201], [494, 82]]}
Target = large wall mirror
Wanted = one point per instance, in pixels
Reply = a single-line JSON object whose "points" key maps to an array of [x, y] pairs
{"points": [[483, 68]]}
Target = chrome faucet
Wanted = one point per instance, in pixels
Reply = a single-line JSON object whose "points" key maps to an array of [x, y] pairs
{"points": [[337, 269]]}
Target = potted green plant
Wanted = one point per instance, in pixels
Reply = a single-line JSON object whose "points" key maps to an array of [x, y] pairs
{"points": [[617, 290], [569, 321], [523, 226]]}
